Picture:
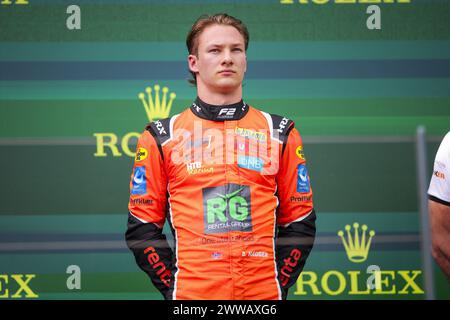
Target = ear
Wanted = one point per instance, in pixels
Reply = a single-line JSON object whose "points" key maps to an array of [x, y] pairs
{"points": [[192, 62]]}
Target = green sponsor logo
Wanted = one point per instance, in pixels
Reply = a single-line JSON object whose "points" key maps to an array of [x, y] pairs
{"points": [[227, 208]]}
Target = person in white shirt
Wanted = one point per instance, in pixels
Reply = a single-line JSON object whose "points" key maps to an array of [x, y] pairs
{"points": [[439, 206]]}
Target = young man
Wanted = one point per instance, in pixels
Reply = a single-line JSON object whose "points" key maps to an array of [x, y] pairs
{"points": [[230, 180], [439, 206]]}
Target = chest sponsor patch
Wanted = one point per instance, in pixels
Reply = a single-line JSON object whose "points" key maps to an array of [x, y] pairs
{"points": [[251, 134], [251, 163], [227, 208]]}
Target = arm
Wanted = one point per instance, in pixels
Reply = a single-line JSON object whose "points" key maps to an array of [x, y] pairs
{"points": [[439, 206], [296, 215], [440, 234], [147, 213]]}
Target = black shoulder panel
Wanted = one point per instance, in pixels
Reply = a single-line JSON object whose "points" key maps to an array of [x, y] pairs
{"points": [[281, 126], [160, 130]]}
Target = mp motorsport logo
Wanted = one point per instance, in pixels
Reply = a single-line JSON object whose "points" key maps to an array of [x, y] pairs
{"points": [[155, 106], [227, 208]]}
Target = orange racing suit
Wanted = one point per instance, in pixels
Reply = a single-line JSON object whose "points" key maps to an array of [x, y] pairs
{"points": [[232, 183]]}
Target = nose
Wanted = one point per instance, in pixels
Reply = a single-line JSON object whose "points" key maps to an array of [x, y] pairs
{"points": [[227, 58]]}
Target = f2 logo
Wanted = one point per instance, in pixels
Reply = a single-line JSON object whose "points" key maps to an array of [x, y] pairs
{"points": [[228, 112], [23, 286]]}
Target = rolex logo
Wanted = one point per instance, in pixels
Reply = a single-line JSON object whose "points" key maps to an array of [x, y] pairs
{"points": [[366, 282], [155, 107], [356, 246]]}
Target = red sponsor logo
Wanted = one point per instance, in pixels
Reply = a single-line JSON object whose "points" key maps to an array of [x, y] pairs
{"points": [[163, 273], [289, 264]]}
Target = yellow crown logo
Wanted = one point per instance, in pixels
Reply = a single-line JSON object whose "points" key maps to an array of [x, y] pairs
{"points": [[356, 247], [155, 108]]}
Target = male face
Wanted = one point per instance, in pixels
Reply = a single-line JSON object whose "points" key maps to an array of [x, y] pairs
{"points": [[221, 61]]}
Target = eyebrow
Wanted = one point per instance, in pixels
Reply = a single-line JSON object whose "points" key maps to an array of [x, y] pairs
{"points": [[221, 45]]}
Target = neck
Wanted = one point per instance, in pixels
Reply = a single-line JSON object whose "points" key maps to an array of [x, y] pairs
{"points": [[208, 111], [219, 98]]}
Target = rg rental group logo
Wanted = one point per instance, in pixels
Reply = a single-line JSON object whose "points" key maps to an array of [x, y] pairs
{"points": [[359, 282], [227, 208], [156, 107]]}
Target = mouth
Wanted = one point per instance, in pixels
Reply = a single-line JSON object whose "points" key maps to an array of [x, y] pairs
{"points": [[226, 72]]}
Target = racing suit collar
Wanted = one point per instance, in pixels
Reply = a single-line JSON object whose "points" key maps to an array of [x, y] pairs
{"points": [[212, 112]]}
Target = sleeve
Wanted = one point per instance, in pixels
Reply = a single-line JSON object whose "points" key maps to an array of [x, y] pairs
{"points": [[296, 215], [439, 189], [147, 213]]}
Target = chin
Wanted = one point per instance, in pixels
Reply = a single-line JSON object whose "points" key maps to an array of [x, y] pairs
{"points": [[227, 85]]}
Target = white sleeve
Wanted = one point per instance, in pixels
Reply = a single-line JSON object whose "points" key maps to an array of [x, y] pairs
{"points": [[440, 180]]}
